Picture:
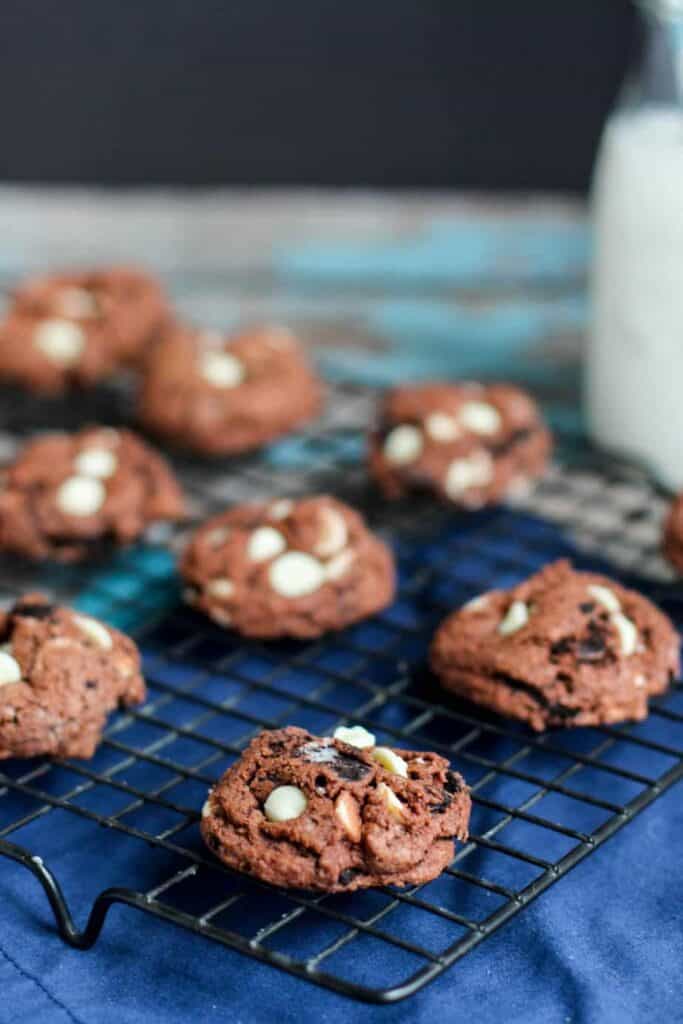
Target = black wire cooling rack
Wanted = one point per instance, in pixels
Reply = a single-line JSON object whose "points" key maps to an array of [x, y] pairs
{"points": [[542, 803]]}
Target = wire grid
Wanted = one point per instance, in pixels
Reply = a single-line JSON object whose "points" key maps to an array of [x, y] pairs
{"points": [[540, 803]]}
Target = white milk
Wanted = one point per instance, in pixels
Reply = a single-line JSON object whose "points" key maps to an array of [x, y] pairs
{"points": [[634, 384]]}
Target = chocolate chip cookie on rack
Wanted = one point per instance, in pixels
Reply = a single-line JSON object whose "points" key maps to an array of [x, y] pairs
{"points": [[288, 568], [470, 444], [61, 673], [75, 328], [336, 814], [66, 495], [563, 648], [221, 395]]}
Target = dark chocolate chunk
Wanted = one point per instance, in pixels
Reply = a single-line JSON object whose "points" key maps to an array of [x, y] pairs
{"points": [[34, 609], [348, 875], [592, 646], [563, 646], [347, 767]]}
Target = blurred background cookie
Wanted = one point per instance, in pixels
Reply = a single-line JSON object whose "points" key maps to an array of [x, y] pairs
{"points": [[222, 395], [75, 328], [288, 568], [67, 495], [470, 444], [61, 673]]}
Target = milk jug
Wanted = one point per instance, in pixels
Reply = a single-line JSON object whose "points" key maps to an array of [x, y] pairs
{"points": [[634, 360]]}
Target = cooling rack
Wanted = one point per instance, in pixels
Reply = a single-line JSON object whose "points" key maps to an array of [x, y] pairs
{"points": [[541, 803]]}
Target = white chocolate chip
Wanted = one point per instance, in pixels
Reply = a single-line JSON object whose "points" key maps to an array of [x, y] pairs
{"points": [[442, 427], [517, 616], [220, 588], [220, 616], [281, 509], [391, 761], [10, 672], [218, 536], [95, 631], [476, 603], [264, 543], [480, 417], [356, 736], [60, 340], [346, 809], [296, 574], [640, 681], [403, 444], [393, 804], [80, 496], [333, 533], [206, 809], [463, 474], [99, 462], [77, 303], [628, 634], [285, 803], [340, 564], [221, 369], [604, 596]]}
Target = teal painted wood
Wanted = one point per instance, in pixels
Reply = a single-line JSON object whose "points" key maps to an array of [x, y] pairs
{"points": [[466, 252]]}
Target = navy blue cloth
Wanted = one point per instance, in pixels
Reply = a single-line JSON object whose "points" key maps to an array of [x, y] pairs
{"points": [[604, 944]]}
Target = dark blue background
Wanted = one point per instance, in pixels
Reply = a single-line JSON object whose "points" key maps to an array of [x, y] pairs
{"points": [[502, 93]]}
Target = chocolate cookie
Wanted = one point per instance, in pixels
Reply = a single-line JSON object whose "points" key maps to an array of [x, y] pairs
{"points": [[318, 813], [562, 648], [61, 673], [673, 534], [67, 494], [289, 568], [76, 328], [220, 395], [469, 443]]}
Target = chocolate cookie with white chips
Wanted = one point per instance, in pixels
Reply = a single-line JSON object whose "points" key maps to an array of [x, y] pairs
{"points": [[294, 568], [66, 496], [221, 395], [76, 328], [564, 648], [469, 444], [336, 814], [61, 673]]}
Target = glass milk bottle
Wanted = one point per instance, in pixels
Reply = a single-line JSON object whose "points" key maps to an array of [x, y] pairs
{"points": [[634, 364]]}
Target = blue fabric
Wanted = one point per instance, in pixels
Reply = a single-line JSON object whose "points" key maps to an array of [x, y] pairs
{"points": [[604, 944]]}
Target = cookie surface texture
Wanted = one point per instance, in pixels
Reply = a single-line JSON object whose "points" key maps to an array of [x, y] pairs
{"points": [[563, 648], [308, 812]]}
